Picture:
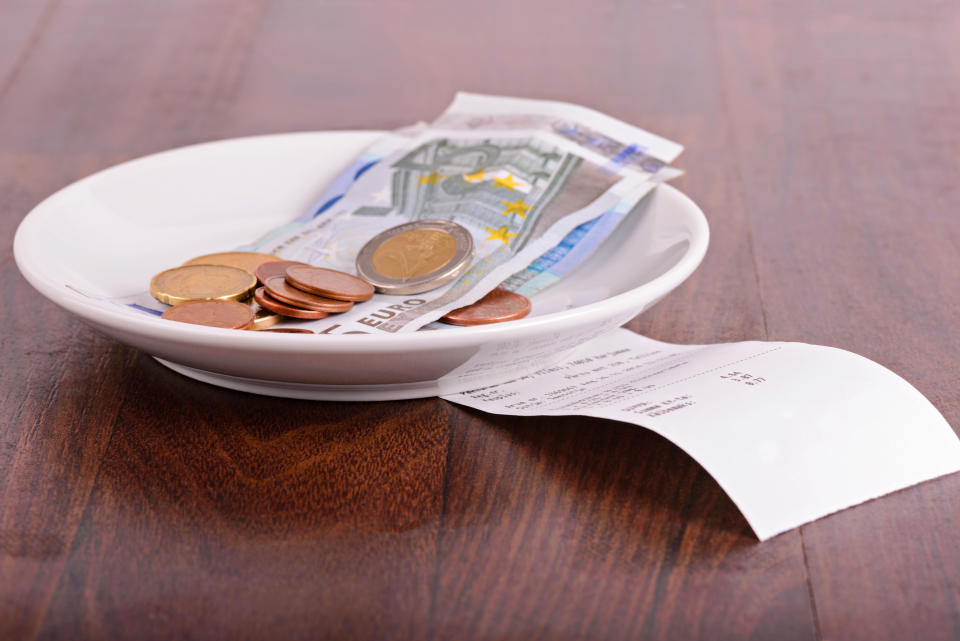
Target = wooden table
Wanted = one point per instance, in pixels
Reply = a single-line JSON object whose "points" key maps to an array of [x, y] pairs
{"points": [[823, 144]]}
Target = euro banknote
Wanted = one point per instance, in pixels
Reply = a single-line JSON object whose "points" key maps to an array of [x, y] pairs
{"points": [[520, 175]]}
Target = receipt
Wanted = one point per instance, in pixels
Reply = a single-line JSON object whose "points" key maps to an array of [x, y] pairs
{"points": [[791, 432]]}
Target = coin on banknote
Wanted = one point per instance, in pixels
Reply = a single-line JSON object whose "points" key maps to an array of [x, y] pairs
{"points": [[265, 300], [415, 257], [278, 288], [202, 282], [496, 307], [244, 260], [329, 283], [228, 314], [276, 268]]}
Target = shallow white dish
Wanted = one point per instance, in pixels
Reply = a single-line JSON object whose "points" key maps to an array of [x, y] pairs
{"points": [[106, 235]]}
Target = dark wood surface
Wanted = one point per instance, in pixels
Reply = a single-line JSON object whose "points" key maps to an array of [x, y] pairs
{"points": [[822, 142]]}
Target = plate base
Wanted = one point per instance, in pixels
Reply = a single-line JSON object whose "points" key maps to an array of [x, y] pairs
{"points": [[312, 391]]}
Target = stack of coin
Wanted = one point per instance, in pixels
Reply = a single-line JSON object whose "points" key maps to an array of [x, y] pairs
{"points": [[413, 257], [305, 291], [207, 290]]}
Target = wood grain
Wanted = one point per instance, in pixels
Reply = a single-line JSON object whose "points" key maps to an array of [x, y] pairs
{"points": [[871, 267], [822, 142]]}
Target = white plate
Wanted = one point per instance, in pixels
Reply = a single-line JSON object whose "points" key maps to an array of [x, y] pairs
{"points": [[106, 235]]}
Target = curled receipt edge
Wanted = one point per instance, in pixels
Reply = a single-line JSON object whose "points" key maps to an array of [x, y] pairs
{"points": [[791, 432]]}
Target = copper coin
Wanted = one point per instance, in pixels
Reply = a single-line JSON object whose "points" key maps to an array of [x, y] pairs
{"points": [[202, 282], [228, 314], [288, 330], [267, 271], [329, 283], [248, 261], [497, 306], [265, 300], [278, 288]]}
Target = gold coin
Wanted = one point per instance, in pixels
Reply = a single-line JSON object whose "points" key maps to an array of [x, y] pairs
{"points": [[263, 317], [244, 260], [415, 257], [202, 282], [414, 253]]}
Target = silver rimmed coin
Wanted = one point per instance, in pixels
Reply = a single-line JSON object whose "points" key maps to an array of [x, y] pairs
{"points": [[415, 257]]}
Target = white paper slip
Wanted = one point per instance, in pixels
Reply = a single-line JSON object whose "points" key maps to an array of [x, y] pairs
{"points": [[791, 432]]}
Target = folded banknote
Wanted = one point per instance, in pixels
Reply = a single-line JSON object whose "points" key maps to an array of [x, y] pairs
{"points": [[538, 184]]}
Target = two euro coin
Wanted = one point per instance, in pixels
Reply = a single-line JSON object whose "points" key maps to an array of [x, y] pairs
{"points": [[416, 257]]}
